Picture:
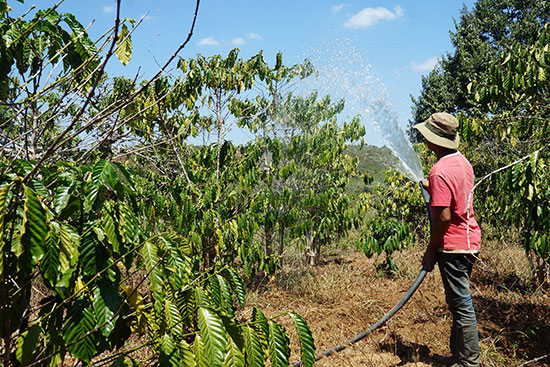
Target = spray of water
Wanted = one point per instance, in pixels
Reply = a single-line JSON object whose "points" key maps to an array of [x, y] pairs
{"points": [[343, 72]]}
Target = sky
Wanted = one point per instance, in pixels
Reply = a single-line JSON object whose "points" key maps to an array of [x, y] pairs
{"points": [[368, 52]]}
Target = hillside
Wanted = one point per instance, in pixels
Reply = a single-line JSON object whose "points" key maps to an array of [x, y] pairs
{"points": [[372, 160]]}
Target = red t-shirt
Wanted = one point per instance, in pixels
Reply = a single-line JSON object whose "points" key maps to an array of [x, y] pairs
{"points": [[451, 180]]}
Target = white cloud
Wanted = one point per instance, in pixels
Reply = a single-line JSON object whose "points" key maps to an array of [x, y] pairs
{"points": [[370, 16], [255, 36], [238, 41], [427, 65], [336, 8], [108, 9], [208, 41]]}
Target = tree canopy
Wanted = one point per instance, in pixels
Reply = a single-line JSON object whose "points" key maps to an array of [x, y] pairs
{"points": [[491, 27]]}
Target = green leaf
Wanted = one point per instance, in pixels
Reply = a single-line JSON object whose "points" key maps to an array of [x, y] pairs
{"points": [[198, 350], [213, 334], [307, 346], [237, 285], [173, 318], [94, 257], [233, 330], [89, 254], [234, 357], [49, 265], [102, 172], [62, 196], [73, 23], [81, 345], [253, 347], [106, 303], [260, 324], [227, 298], [124, 45], [110, 230], [128, 225], [186, 305], [215, 291], [187, 357], [168, 353], [27, 345], [279, 351], [150, 259], [34, 229], [69, 243]]}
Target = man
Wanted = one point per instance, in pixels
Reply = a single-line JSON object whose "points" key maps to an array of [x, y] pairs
{"points": [[452, 245]]}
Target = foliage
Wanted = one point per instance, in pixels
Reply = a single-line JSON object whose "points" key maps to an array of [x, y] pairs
{"points": [[309, 171], [318, 172], [49, 71], [92, 253], [396, 214], [78, 238], [385, 236], [172, 204], [481, 33], [74, 231], [515, 125]]}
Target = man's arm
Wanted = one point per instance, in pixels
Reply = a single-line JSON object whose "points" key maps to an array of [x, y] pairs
{"points": [[441, 219]]}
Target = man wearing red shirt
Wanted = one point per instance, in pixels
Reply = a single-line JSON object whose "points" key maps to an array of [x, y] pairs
{"points": [[455, 237]]}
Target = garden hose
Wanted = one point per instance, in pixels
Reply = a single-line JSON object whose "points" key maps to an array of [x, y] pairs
{"points": [[414, 286]]}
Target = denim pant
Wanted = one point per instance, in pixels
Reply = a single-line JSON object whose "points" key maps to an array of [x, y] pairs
{"points": [[455, 272]]}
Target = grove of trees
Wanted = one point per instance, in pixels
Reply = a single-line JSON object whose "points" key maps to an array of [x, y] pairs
{"points": [[115, 226]]}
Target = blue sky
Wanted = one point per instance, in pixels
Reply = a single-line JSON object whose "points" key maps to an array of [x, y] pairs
{"points": [[384, 47]]}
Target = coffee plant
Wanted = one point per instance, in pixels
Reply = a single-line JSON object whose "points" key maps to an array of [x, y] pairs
{"points": [[109, 247], [512, 127]]}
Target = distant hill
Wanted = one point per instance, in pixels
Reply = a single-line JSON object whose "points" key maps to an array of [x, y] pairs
{"points": [[374, 161]]}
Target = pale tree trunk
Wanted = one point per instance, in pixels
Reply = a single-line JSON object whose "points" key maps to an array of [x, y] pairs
{"points": [[540, 269], [220, 138], [34, 136], [220, 124], [268, 226], [313, 250]]}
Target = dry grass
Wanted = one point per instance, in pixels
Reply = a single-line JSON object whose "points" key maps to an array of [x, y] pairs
{"points": [[344, 296]]}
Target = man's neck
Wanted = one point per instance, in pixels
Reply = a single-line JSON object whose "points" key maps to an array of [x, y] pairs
{"points": [[441, 152]]}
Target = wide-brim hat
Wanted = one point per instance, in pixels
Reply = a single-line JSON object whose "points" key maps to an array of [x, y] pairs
{"points": [[440, 129]]}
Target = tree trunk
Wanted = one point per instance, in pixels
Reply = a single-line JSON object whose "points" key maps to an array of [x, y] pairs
{"points": [[268, 239], [208, 252], [313, 250], [316, 250], [281, 239]]}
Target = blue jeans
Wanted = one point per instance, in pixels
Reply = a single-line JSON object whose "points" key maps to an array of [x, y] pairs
{"points": [[455, 271]]}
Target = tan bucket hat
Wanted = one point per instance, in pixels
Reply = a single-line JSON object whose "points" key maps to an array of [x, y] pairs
{"points": [[440, 129]]}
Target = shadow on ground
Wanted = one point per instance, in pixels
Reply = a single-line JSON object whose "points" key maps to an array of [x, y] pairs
{"points": [[408, 352], [519, 328]]}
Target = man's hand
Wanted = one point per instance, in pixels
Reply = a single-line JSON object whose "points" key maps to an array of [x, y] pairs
{"points": [[429, 259], [425, 183]]}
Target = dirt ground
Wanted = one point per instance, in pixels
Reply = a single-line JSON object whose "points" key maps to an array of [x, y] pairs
{"points": [[345, 295]]}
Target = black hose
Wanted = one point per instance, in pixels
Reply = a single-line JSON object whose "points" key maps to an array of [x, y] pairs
{"points": [[414, 286], [426, 196]]}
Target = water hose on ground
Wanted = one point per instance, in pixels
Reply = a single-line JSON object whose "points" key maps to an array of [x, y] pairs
{"points": [[414, 286]]}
